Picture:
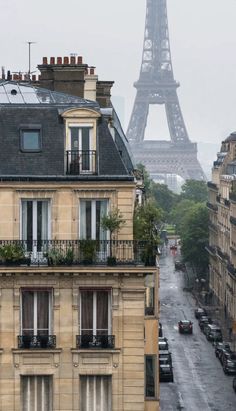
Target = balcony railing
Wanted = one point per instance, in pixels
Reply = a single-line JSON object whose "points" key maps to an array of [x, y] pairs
{"points": [[211, 206], [81, 162], [77, 252], [36, 341], [95, 341]]}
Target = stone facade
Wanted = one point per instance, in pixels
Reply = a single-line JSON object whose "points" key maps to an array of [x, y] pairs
{"points": [[73, 333], [222, 226]]}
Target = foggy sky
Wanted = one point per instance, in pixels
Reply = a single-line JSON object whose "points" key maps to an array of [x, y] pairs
{"points": [[109, 35]]}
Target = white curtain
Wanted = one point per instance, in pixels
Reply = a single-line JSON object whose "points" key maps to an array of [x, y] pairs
{"points": [[95, 393], [36, 393]]}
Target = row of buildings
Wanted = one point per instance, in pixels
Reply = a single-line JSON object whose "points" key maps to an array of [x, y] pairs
{"points": [[222, 230], [78, 307]]}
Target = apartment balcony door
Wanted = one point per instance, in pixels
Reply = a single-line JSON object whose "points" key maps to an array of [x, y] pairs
{"points": [[35, 227], [81, 147], [36, 312]]}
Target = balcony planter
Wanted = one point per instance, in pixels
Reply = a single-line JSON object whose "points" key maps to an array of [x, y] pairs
{"points": [[88, 251], [111, 261], [13, 255]]}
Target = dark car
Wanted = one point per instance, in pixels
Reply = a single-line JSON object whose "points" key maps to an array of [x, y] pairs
{"points": [[229, 364], [173, 247], [223, 354], [200, 312], [213, 333], [163, 345], [185, 327], [166, 373], [203, 321], [234, 384], [160, 330], [165, 355], [221, 346]]}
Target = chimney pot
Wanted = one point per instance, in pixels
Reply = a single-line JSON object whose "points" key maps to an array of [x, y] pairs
{"points": [[52, 60], [66, 60], [33, 77], [80, 60], [72, 59], [92, 70], [45, 60], [59, 60], [20, 77]]}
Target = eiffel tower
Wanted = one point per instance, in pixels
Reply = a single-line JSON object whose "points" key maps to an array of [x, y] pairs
{"points": [[156, 85]]}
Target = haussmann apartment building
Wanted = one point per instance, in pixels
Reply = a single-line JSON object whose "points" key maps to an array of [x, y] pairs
{"points": [[78, 308]]}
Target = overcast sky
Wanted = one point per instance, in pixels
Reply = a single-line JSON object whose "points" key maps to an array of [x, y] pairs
{"points": [[109, 35]]}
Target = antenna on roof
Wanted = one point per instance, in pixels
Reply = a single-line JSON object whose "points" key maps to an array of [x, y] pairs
{"points": [[29, 71]]}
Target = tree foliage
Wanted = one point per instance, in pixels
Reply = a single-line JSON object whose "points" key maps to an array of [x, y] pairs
{"points": [[194, 237], [179, 212], [147, 219], [194, 190]]}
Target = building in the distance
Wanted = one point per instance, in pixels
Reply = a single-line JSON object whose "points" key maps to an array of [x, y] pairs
{"points": [[222, 228], [78, 309]]}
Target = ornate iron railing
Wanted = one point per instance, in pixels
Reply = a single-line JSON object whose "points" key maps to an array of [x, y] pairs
{"points": [[77, 252], [95, 341], [36, 341], [81, 162]]}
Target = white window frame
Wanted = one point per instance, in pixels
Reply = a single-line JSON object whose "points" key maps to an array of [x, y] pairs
{"points": [[109, 332], [35, 201], [50, 306], [80, 126]]}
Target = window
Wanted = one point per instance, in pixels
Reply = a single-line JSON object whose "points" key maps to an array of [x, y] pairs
{"points": [[95, 312], [95, 393], [30, 139], [81, 154], [35, 223], [150, 376], [36, 393], [36, 312], [149, 295], [91, 212]]}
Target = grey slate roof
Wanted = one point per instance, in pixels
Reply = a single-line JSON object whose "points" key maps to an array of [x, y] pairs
{"points": [[50, 161]]}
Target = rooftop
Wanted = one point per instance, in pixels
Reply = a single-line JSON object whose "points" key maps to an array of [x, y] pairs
{"points": [[15, 93]]}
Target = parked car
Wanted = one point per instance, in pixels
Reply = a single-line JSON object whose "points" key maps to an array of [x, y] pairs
{"points": [[223, 354], [229, 364], [185, 327], [200, 312], [160, 330], [173, 247], [165, 355], [234, 384], [213, 333], [166, 373], [163, 344], [203, 321], [221, 346]]}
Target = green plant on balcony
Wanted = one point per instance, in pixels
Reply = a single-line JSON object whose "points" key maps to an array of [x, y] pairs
{"points": [[55, 257], [13, 254], [88, 250], [112, 222]]}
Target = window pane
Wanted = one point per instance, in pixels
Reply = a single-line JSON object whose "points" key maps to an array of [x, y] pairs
{"points": [[150, 376], [27, 313], [31, 139], [87, 312], [95, 393], [88, 220], [74, 132], [102, 312], [43, 312], [36, 393]]}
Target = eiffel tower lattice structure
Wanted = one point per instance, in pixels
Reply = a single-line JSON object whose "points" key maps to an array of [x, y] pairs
{"points": [[156, 85]]}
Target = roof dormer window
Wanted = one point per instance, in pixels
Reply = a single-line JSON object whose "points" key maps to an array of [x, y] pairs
{"points": [[30, 138]]}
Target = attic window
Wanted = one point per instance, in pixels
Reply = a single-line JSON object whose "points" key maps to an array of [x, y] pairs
{"points": [[31, 139]]}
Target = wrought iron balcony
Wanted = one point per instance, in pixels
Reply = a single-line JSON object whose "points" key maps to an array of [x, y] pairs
{"points": [[36, 341], [77, 252], [95, 341], [211, 206], [81, 162]]}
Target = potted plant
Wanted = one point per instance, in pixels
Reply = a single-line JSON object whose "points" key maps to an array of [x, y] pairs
{"points": [[13, 254], [88, 251], [112, 222], [55, 257]]}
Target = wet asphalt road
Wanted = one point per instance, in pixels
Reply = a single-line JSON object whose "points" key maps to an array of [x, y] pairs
{"points": [[199, 381]]}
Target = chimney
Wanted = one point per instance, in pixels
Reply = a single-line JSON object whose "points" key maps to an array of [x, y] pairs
{"points": [[104, 93], [52, 60], [79, 60], [90, 86], [33, 77], [45, 60], [72, 59], [59, 60], [8, 75], [3, 73], [66, 60]]}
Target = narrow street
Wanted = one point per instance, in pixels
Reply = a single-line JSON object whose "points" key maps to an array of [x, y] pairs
{"points": [[199, 380]]}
